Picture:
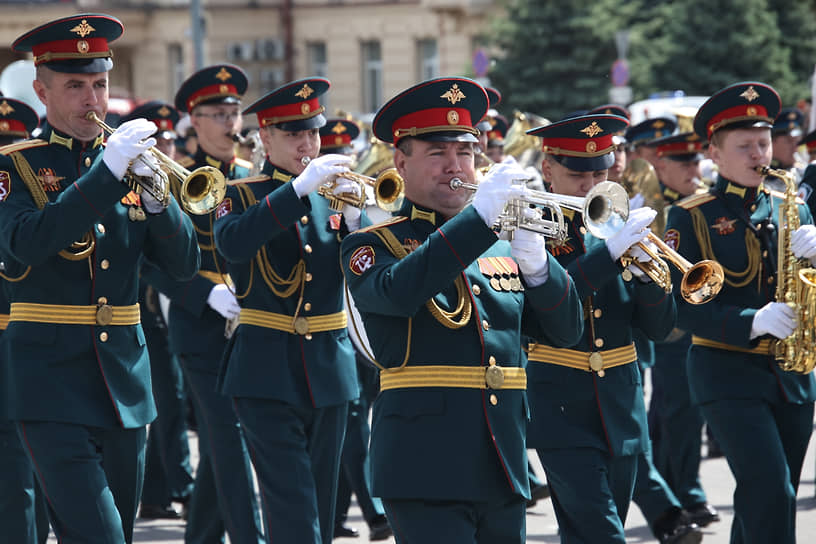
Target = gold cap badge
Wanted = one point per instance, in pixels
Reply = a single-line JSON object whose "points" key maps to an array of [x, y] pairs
{"points": [[750, 94], [592, 130], [83, 28], [454, 94], [304, 92]]}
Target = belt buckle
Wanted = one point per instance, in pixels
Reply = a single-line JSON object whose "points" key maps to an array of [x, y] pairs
{"points": [[104, 314], [596, 363], [301, 325], [494, 377]]}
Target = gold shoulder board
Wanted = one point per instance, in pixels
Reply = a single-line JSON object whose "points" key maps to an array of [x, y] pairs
{"points": [[241, 162], [20, 146], [692, 201], [392, 221], [251, 179]]}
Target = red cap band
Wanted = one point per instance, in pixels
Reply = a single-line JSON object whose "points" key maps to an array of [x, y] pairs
{"points": [[335, 140], [211, 91], [432, 120], [743, 112], [70, 49], [679, 148], [578, 147], [13, 126], [290, 112]]}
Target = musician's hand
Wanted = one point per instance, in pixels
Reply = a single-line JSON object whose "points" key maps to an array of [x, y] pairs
{"points": [[637, 253], [634, 230], [529, 249], [803, 243], [126, 143], [496, 189], [319, 171], [350, 213], [776, 319], [146, 165], [223, 301]]}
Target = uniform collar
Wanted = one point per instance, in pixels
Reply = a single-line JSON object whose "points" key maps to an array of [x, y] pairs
{"points": [[669, 194], [416, 213], [202, 157], [276, 173], [53, 136], [734, 190]]}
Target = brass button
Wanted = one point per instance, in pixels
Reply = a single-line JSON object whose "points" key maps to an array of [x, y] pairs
{"points": [[308, 336], [753, 207], [308, 276], [583, 230], [307, 306], [307, 248], [104, 315], [599, 342], [103, 336], [477, 290], [102, 300], [87, 161], [485, 325], [597, 313], [494, 400], [304, 219], [101, 228], [491, 360], [770, 280], [105, 264], [765, 253]]}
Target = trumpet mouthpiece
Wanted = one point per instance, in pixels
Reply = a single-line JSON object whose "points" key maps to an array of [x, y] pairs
{"points": [[305, 161], [762, 169], [238, 138]]}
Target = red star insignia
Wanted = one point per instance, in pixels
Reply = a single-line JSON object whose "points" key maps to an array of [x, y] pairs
{"points": [[724, 226]]}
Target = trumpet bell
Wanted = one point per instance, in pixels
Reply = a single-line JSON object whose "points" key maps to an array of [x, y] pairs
{"points": [[605, 209], [389, 190], [702, 282], [203, 190]]}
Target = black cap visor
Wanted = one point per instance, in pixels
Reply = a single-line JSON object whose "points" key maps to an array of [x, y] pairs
{"points": [[586, 164]]}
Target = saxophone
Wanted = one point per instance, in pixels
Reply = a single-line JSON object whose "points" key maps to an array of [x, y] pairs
{"points": [[795, 285]]}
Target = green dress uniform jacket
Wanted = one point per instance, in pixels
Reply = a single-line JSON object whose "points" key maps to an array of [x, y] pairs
{"points": [[721, 373], [194, 327], [451, 443], [271, 238], [85, 374], [575, 408]]}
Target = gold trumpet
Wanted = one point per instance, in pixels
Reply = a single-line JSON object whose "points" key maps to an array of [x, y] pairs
{"points": [[202, 190], [389, 190]]}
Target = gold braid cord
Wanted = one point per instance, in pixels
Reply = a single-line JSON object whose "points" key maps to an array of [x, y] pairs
{"points": [[297, 277], [444, 317], [80, 249], [751, 246]]}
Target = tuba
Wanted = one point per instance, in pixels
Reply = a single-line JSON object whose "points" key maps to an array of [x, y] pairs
{"points": [[795, 285], [523, 147]]}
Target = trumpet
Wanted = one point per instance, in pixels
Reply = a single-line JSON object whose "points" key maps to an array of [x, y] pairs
{"points": [[389, 190], [202, 190], [605, 209]]}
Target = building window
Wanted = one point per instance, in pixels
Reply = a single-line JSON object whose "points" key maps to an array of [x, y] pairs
{"points": [[316, 59], [372, 75], [175, 57], [427, 59]]}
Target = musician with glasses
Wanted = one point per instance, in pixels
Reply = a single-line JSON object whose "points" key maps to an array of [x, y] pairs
{"points": [[588, 418], [761, 415], [445, 304], [75, 367], [223, 498], [289, 368]]}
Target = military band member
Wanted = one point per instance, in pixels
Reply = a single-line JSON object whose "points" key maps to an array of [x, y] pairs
{"points": [[615, 172], [588, 415], [637, 136], [290, 367], [223, 498], [495, 137], [445, 304], [22, 510], [677, 456], [785, 135], [485, 125], [168, 473], [76, 370], [761, 415]]}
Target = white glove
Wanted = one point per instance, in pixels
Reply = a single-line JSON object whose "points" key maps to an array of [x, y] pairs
{"points": [[529, 249], [223, 301], [637, 253], [636, 201], [126, 143], [350, 213], [634, 230], [496, 189], [146, 165], [803, 243], [775, 318], [319, 171]]}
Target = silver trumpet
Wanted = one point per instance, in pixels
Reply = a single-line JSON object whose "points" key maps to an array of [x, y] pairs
{"points": [[605, 209]]}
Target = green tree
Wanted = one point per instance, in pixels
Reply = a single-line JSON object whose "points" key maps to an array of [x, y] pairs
{"points": [[556, 55], [797, 25]]}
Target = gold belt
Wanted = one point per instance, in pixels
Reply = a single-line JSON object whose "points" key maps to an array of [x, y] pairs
{"points": [[302, 325], [103, 314], [468, 377], [765, 347], [215, 277], [595, 361], [4, 319]]}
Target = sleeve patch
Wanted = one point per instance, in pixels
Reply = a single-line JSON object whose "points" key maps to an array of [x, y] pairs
{"points": [[5, 185], [361, 260], [672, 238], [224, 208]]}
